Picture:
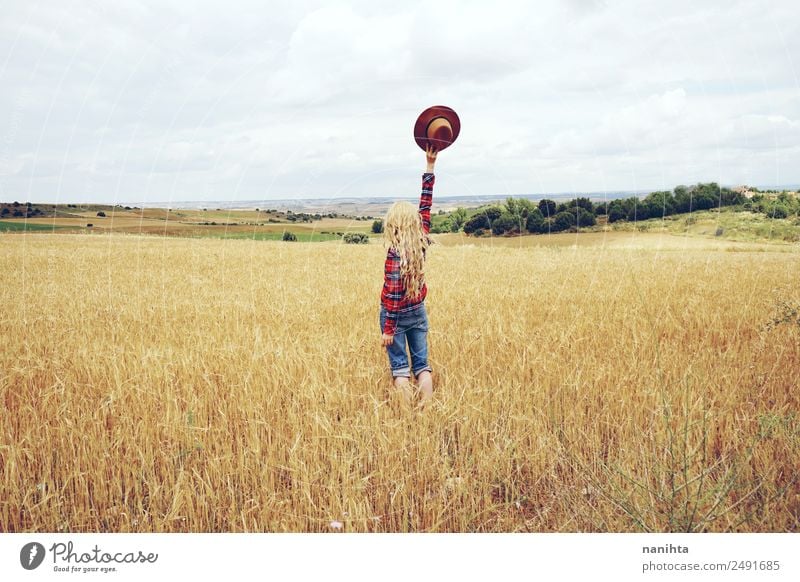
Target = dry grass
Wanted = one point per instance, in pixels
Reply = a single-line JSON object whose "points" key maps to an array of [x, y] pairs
{"points": [[205, 385]]}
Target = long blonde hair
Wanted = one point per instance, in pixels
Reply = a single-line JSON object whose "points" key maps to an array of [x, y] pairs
{"points": [[402, 231]]}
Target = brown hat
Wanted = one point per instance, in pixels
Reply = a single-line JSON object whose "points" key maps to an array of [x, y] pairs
{"points": [[438, 126]]}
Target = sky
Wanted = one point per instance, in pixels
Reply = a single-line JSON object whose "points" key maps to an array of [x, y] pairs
{"points": [[142, 102]]}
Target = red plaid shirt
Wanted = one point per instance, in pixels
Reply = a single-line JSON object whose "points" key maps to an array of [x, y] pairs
{"points": [[393, 295]]}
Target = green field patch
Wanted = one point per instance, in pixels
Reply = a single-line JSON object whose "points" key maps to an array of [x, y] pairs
{"points": [[22, 226]]}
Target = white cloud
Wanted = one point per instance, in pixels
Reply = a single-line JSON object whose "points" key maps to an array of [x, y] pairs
{"points": [[167, 101]]}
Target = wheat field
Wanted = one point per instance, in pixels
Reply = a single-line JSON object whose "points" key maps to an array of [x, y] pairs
{"points": [[169, 385]]}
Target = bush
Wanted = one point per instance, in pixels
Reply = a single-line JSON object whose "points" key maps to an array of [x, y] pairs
{"points": [[457, 219], [4, 211], [581, 202], [505, 223], [563, 221], [101, 214], [616, 212], [547, 207], [477, 222], [535, 222], [479, 232], [90, 225], [777, 211], [584, 218], [660, 204], [638, 211], [377, 227], [492, 213], [289, 236], [355, 238]]}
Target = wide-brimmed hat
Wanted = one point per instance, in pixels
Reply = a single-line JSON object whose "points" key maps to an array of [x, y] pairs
{"points": [[438, 126]]}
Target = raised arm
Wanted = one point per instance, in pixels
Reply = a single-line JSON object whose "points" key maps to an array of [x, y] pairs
{"points": [[426, 198]]}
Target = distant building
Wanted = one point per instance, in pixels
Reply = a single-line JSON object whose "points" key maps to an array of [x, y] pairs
{"points": [[744, 190]]}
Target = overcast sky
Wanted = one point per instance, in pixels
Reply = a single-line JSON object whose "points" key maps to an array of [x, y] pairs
{"points": [[167, 101]]}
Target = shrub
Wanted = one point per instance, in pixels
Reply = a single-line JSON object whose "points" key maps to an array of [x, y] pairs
{"points": [[505, 223], [535, 222], [581, 202], [289, 236], [479, 232], [660, 204], [457, 219], [638, 211], [777, 211], [616, 212], [583, 217], [547, 207], [377, 227], [89, 225], [101, 214], [4, 211], [492, 213], [355, 238], [479, 221], [563, 221]]}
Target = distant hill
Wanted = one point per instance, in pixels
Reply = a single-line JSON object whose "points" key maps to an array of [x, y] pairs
{"points": [[375, 206]]}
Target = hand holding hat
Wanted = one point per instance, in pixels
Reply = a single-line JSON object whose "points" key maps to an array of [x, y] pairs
{"points": [[437, 127]]}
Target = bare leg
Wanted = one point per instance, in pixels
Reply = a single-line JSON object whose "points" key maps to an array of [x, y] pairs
{"points": [[404, 387], [425, 383]]}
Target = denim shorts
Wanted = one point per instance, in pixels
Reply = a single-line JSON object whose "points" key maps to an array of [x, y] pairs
{"points": [[412, 329]]}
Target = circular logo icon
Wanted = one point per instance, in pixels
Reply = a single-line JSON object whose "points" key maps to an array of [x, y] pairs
{"points": [[31, 555]]}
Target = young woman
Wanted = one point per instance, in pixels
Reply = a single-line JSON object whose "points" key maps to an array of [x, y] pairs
{"points": [[403, 318]]}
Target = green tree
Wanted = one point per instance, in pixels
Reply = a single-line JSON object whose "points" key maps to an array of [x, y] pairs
{"points": [[616, 211], [457, 219], [581, 202], [547, 207], [683, 199], [493, 212], [479, 221], [377, 227], [777, 210], [584, 217], [519, 208], [535, 222], [505, 223], [660, 203], [563, 221]]}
